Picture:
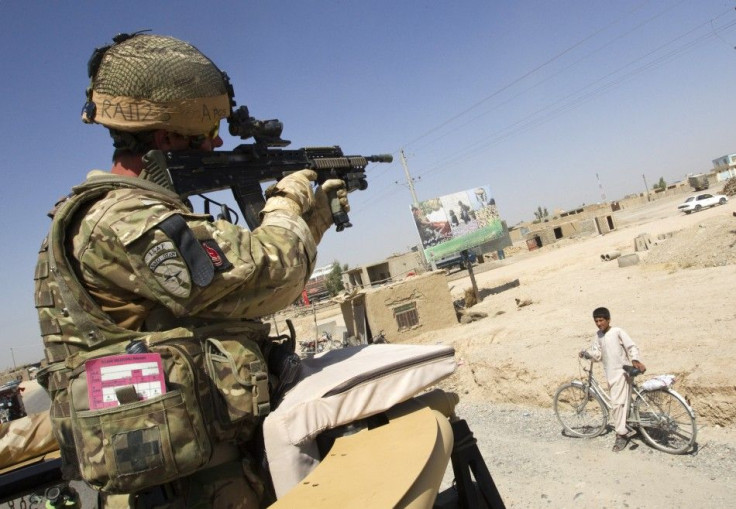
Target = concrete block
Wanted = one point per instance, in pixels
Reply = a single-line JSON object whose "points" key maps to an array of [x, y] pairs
{"points": [[628, 260], [642, 242]]}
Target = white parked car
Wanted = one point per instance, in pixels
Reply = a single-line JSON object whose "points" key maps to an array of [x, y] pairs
{"points": [[702, 201]]}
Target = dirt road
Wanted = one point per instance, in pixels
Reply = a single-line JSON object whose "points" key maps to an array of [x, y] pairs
{"points": [[535, 466]]}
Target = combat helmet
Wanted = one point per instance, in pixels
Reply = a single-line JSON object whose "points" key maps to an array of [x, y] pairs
{"points": [[143, 82]]}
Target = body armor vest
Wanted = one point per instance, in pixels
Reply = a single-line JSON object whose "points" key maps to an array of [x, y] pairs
{"points": [[205, 368], [71, 322]]}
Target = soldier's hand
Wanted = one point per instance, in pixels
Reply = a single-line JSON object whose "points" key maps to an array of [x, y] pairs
{"points": [[320, 218], [336, 186], [292, 193]]}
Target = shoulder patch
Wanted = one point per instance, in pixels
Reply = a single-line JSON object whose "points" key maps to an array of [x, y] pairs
{"points": [[216, 255], [169, 269]]}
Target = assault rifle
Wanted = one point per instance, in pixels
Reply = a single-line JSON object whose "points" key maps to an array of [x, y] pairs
{"points": [[248, 165]]}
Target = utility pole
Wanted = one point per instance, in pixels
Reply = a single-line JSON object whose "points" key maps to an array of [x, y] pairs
{"points": [[415, 200], [646, 186], [409, 180], [12, 354], [600, 186]]}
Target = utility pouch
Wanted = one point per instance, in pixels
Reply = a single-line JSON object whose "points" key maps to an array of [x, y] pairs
{"points": [[55, 379], [237, 371], [139, 444]]}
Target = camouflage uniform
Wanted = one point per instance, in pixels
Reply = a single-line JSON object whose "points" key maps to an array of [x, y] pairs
{"points": [[141, 273], [26, 438], [130, 266]]}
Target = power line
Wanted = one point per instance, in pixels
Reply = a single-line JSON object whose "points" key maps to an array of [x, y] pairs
{"points": [[565, 104], [520, 78], [576, 98], [562, 70]]}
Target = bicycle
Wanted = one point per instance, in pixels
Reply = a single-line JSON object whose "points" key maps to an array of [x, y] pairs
{"points": [[662, 416]]}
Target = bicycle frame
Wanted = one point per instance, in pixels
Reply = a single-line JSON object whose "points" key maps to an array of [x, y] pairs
{"points": [[663, 417], [593, 385], [641, 413], [636, 399]]}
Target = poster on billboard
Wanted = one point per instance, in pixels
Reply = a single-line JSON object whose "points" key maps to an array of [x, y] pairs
{"points": [[452, 223]]}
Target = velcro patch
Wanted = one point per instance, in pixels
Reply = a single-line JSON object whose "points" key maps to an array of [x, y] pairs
{"points": [[195, 257], [138, 451]]}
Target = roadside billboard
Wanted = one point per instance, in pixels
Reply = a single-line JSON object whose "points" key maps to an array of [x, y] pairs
{"points": [[458, 221]]}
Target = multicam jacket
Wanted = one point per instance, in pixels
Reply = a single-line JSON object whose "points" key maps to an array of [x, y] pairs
{"points": [[126, 259], [138, 250]]}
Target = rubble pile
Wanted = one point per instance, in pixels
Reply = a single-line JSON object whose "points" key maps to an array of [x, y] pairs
{"points": [[706, 244], [730, 188]]}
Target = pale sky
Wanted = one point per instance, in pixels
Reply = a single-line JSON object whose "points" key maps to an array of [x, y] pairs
{"points": [[532, 98]]}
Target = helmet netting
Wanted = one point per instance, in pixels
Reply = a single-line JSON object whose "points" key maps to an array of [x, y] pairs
{"points": [[159, 69]]}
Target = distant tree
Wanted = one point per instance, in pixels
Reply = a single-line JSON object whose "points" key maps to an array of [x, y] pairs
{"points": [[333, 282], [541, 213], [661, 184]]}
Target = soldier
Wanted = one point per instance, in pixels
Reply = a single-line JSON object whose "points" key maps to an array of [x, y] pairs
{"points": [[128, 264]]}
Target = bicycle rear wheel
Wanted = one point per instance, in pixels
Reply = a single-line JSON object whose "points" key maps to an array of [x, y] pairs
{"points": [[666, 421], [581, 412]]}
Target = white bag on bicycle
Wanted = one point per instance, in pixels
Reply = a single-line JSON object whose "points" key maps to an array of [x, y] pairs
{"points": [[658, 382]]}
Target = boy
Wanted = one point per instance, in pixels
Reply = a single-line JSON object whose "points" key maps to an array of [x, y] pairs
{"points": [[615, 348]]}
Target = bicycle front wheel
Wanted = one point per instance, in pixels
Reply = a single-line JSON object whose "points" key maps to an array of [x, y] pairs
{"points": [[666, 421], [581, 411]]}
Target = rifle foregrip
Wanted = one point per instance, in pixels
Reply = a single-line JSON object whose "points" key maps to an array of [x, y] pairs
{"points": [[339, 216]]}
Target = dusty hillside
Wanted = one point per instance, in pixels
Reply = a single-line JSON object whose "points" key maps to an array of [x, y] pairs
{"points": [[710, 243], [676, 304]]}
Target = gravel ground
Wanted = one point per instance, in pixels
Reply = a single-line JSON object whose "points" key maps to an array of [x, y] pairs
{"points": [[534, 465], [709, 243]]}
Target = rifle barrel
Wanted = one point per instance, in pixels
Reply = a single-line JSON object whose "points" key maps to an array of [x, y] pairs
{"points": [[380, 158]]}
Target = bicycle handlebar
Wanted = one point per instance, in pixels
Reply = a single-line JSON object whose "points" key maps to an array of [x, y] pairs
{"points": [[632, 371]]}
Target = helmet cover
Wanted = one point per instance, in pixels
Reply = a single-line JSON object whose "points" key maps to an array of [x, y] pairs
{"points": [[149, 82]]}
